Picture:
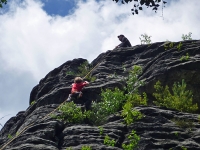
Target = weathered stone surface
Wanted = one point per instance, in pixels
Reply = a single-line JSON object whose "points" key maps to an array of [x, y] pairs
{"points": [[157, 129]]}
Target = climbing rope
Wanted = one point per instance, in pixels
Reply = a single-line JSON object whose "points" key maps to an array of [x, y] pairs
{"points": [[96, 65], [28, 126]]}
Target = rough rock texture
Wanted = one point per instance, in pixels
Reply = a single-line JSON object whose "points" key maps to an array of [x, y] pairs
{"points": [[157, 130]]}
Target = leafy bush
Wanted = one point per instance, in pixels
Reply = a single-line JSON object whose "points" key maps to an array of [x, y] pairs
{"points": [[86, 148], [183, 123], [183, 148], [185, 58], [70, 73], [137, 99], [108, 141], [10, 136], [132, 82], [180, 99], [133, 141], [179, 46], [112, 101], [145, 39], [130, 115], [71, 113], [33, 102], [187, 36], [169, 45], [83, 70], [100, 130], [115, 100]]}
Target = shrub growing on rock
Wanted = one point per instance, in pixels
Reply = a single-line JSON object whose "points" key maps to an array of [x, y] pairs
{"points": [[180, 98], [112, 101], [133, 141], [71, 113], [108, 141], [130, 115], [83, 70]]}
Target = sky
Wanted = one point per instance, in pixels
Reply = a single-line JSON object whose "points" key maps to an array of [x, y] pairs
{"points": [[37, 36]]}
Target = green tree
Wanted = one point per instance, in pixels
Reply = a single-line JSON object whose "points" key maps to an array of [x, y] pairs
{"points": [[187, 36], [138, 4], [178, 98], [2, 2]]}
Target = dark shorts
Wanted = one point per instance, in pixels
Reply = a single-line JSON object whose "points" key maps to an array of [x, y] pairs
{"points": [[79, 98]]}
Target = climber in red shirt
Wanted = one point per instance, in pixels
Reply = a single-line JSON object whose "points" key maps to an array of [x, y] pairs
{"points": [[76, 93], [78, 85]]}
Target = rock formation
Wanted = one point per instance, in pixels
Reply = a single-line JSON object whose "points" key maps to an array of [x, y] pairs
{"points": [[157, 130]]}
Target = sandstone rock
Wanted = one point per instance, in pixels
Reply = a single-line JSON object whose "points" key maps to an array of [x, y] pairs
{"points": [[158, 128]]}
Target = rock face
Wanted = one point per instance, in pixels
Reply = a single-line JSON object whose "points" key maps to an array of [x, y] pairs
{"points": [[159, 129]]}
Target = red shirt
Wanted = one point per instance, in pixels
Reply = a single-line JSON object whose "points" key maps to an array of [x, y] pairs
{"points": [[77, 87]]}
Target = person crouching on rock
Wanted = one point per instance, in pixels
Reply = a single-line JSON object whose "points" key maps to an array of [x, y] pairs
{"points": [[76, 93], [124, 41]]}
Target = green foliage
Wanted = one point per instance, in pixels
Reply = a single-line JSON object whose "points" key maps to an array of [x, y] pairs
{"points": [[136, 99], [86, 148], [70, 73], [187, 36], [145, 39], [112, 101], [17, 133], [69, 148], [91, 78], [33, 102], [2, 2], [183, 123], [176, 133], [10, 136], [132, 82], [199, 118], [83, 70], [100, 130], [108, 141], [124, 67], [113, 75], [133, 141], [138, 4], [183, 148], [71, 113], [185, 58], [179, 46], [180, 99], [130, 115], [169, 45]]}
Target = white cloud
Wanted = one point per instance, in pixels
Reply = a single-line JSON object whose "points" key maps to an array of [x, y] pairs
{"points": [[33, 41], [38, 42]]}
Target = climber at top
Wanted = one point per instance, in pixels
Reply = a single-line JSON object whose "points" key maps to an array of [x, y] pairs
{"points": [[76, 93], [124, 40]]}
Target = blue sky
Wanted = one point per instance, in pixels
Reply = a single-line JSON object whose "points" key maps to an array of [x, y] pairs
{"points": [[59, 7], [40, 35]]}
